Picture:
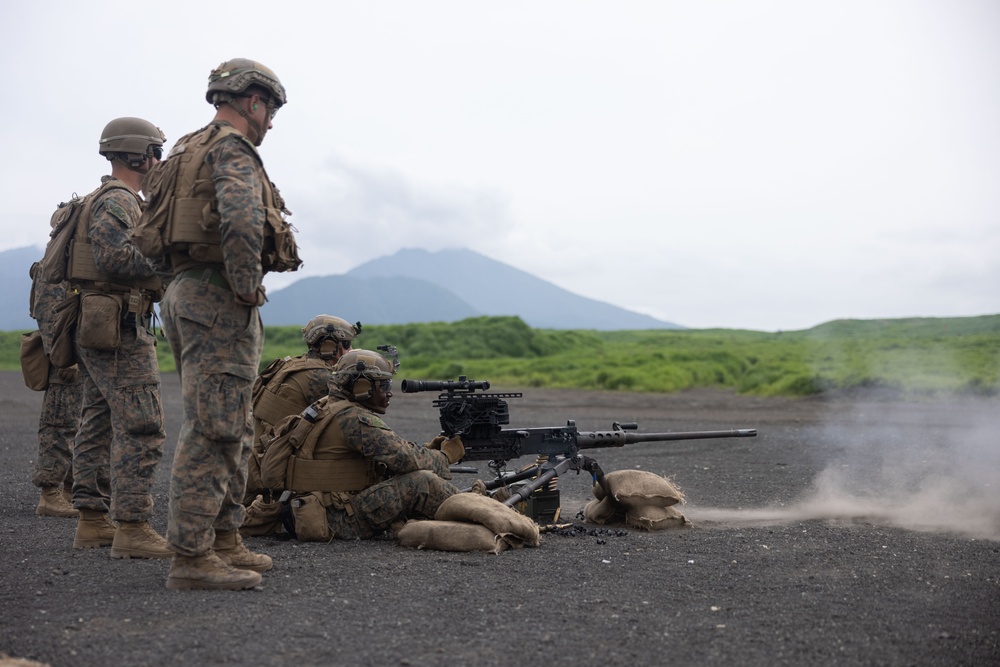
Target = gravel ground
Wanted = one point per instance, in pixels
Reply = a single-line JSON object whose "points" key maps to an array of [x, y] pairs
{"points": [[851, 531]]}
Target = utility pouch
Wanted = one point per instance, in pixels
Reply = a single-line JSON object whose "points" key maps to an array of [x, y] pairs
{"points": [[34, 362], [64, 320], [99, 327], [310, 518], [280, 252]]}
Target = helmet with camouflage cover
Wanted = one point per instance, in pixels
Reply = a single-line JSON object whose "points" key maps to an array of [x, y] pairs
{"points": [[327, 334], [358, 373], [130, 139], [233, 77]]}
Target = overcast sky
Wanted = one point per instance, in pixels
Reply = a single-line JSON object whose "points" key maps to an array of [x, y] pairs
{"points": [[744, 164]]}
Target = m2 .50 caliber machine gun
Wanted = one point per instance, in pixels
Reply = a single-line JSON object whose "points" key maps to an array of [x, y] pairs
{"points": [[479, 419]]}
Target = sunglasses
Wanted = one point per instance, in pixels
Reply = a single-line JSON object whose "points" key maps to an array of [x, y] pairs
{"points": [[156, 152], [272, 110]]}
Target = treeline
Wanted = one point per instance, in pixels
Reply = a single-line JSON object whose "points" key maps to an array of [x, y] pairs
{"points": [[909, 357]]}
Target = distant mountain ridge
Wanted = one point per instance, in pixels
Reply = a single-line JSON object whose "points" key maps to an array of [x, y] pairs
{"points": [[410, 286], [14, 266], [416, 285]]}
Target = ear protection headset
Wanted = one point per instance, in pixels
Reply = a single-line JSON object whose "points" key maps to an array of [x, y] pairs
{"points": [[362, 387]]}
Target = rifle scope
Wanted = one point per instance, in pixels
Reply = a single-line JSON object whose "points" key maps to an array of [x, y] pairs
{"points": [[461, 384]]}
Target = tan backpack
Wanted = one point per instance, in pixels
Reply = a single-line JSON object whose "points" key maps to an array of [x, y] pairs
{"points": [[69, 222]]}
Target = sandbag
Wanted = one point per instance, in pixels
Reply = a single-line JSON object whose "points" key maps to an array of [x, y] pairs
{"points": [[603, 511], [652, 517], [500, 519], [641, 488], [639, 499], [454, 536]]}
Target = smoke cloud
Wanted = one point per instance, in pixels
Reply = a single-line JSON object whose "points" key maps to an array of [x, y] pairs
{"points": [[931, 467]]}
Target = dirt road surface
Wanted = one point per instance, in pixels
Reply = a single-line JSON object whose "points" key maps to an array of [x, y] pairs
{"points": [[850, 531]]}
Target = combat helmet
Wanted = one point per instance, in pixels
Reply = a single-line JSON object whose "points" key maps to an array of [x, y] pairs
{"points": [[133, 138], [327, 333], [359, 371], [233, 77]]}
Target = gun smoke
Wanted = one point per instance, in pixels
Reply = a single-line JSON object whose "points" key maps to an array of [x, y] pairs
{"points": [[931, 467]]}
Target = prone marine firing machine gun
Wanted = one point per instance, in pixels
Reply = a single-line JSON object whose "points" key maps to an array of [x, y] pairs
{"points": [[479, 419]]}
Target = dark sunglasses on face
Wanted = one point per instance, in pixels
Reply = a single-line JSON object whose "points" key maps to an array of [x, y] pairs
{"points": [[156, 152]]}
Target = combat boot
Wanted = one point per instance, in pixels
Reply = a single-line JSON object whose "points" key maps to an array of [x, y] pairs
{"points": [[207, 572], [53, 503], [93, 529], [137, 539], [231, 550]]}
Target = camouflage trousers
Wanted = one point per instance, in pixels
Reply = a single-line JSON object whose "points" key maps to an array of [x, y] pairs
{"points": [[120, 440], [57, 427], [216, 344], [372, 511]]}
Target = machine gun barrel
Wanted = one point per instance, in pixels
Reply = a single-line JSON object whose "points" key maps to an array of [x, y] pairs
{"points": [[619, 437]]}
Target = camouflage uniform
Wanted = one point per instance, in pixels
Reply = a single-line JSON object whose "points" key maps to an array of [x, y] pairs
{"points": [[415, 476], [121, 426], [60, 416], [217, 343]]}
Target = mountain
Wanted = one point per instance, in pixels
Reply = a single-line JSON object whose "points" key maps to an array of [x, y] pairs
{"points": [[495, 288], [409, 286], [14, 265], [373, 300]]}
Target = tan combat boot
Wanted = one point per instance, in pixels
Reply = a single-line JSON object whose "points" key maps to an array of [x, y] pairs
{"points": [[53, 503], [93, 529], [137, 539], [208, 572], [230, 548]]}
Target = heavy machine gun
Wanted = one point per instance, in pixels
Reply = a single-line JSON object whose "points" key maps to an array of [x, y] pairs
{"points": [[479, 418]]}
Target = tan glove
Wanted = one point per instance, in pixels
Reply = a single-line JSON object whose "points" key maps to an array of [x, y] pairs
{"points": [[453, 449], [436, 442]]}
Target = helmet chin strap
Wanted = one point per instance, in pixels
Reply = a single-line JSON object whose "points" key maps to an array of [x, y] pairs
{"points": [[257, 132], [139, 168]]}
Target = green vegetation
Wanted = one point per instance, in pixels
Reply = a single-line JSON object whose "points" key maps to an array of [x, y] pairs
{"points": [[912, 357]]}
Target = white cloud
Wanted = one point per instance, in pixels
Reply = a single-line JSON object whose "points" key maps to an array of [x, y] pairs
{"points": [[765, 165]]}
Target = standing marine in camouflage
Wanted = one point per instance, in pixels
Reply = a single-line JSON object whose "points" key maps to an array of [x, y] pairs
{"points": [[121, 426], [290, 384], [348, 461], [60, 416], [228, 230]]}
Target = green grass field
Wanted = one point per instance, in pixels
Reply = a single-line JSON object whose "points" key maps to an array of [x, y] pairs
{"points": [[907, 357]]}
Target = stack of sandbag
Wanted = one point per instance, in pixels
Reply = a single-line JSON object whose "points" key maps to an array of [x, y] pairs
{"points": [[639, 499], [471, 522]]}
